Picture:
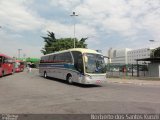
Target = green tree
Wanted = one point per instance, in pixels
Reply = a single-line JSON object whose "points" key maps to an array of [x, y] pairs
{"points": [[81, 43], [52, 44], [155, 52], [49, 40]]}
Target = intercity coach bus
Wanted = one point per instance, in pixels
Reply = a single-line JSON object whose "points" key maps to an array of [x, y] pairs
{"points": [[79, 65], [6, 65], [19, 66]]}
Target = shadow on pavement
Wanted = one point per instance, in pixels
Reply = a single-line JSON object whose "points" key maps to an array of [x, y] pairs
{"points": [[74, 84]]}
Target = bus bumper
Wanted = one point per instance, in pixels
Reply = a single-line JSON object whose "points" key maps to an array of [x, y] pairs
{"points": [[100, 79]]}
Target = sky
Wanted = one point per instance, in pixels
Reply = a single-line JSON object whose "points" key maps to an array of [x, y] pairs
{"points": [[106, 23]]}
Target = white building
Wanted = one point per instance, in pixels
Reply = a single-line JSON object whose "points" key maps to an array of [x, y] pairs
{"points": [[118, 55], [128, 56], [138, 54]]}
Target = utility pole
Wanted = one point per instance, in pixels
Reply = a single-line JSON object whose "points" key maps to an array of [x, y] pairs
{"points": [[19, 53], [74, 15]]}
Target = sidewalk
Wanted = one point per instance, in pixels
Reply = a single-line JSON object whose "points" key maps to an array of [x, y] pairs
{"points": [[134, 81]]}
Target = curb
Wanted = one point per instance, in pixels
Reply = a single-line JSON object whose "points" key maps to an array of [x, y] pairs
{"points": [[135, 83]]}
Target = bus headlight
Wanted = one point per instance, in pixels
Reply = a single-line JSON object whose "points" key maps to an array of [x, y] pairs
{"points": [[88, 76]]}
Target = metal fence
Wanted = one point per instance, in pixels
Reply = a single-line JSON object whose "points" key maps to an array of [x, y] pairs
{"points": [[123, 70]]}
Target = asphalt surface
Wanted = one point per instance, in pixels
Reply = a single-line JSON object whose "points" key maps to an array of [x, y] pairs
{"points": [[29, 93]]}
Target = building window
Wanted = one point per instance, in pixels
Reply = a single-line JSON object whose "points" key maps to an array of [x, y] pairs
{"points": [[114, 53]]}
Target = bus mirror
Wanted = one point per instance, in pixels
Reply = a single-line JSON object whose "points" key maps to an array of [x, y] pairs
{"points": [[106, 57], [85, 59]]}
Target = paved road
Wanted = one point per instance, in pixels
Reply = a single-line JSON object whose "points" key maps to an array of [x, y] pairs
{"points": [[136, 81], [29, 93]]}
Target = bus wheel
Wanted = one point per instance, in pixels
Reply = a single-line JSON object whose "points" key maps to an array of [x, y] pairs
{"points": [[12, 72], [69, 79], [45, 74], [2, 73]]}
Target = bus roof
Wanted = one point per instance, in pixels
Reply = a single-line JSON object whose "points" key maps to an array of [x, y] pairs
{"points": [[18, 60], [82, 50], [4, 55]]}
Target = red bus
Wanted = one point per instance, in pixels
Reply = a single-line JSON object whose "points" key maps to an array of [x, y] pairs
{"points": [[6, 65], [19, 66]]}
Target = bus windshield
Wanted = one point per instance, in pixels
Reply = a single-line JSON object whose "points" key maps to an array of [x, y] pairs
{"points": [[94, 63], [1, 59]]}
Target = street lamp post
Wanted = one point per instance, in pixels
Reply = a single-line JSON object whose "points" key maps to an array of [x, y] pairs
{"points": [[19, 51], [74, 15], [152, 40]]}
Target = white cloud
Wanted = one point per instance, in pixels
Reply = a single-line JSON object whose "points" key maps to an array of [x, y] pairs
{"points": [[152, 23], [121, 25], [10, 45], [110, 15], [65, 4], [132, 20], [15, 16], [61, 30], [127, 18]]}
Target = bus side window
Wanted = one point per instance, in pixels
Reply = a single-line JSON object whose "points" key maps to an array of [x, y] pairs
{"points": [[46, 58], [80, 64], [41, 61], [5, 60], [78, 61], [50, 58], [68, 57]]}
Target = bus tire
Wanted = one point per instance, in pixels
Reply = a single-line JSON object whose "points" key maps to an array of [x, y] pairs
{"points": [[45, 74], [69, 79], [3, 73], [12, 72]]}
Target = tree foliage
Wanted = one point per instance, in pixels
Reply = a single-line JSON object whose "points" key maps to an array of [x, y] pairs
{"points": [[52, 44], [156, 52]]}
